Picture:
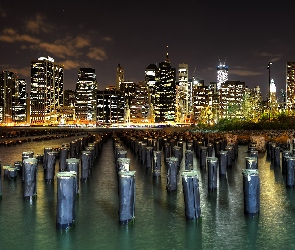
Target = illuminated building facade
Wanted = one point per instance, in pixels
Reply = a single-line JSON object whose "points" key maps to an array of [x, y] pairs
{"points": [[273, 102], [140, 110], [290, 86], [213, 96], [273, 91], [13, 98], [151, 77], [200, 98], [222, 74], [19, 105], [67, 111], [7, 85], [86, 96], [119, 77], [230, 96], [110, 106], [128, 91], [182, 94], [162, 88], [46, 94]]}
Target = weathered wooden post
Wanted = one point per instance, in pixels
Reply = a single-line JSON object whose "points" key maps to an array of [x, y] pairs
{"points": [[126, 196], [251, 186], [66, 199], [191, 191], [30, 177]]}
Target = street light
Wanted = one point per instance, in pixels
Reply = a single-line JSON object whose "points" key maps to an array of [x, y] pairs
{"points": [[268, 103]]}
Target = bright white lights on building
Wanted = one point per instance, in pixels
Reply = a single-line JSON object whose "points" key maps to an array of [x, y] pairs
{"points": [[222, 74], [272, 86]]}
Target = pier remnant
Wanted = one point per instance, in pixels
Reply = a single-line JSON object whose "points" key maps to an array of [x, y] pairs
{"points": [[66, 197], [126, 196], [190, 184]]}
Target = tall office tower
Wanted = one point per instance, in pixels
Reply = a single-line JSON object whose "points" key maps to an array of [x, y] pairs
{"points": [[273, 102], [222, 74], [110, 106], [46, 96], [290, 86], [151, 77], [257, 102], [128, 91], [140, 110], [182, 94], [7, 90], [213, 96], [231, 95], [86, 96], [200, 98], [119, 76], [67, 111], [164, 92], [273, 91], [20, 102]]}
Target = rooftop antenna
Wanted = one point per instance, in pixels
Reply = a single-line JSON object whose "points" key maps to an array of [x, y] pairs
{"points": [[167, 56], [194, 73]]}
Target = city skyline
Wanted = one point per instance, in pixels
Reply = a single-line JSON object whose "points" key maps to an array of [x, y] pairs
{"points": [[101, 35]]}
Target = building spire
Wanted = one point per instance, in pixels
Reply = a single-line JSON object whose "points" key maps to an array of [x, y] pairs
{"points": [[167, 56]]}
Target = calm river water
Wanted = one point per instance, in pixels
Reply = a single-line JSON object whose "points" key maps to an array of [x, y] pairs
{"points": [[160, 221]]}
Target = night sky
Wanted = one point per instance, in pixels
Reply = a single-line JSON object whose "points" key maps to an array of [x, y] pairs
{"points": [[246, 35]]}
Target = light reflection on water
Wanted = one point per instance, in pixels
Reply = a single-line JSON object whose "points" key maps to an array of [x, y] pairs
{"points": [[159, 216]]}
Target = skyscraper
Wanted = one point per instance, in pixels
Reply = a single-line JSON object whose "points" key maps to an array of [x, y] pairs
{"points": [[182, 94], [222, 74], [119, 77], [13, 98], [86, 96], [162, 89], [200, 98], [19, 109], [231, 95], [110, 106], [8, 82], [46, 94], [290, 86]]}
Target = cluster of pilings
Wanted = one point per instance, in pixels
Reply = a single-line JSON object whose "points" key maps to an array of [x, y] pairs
{"points": [[251, 181], [284, 158], [126, 183], [151, 146], [76, 159]]}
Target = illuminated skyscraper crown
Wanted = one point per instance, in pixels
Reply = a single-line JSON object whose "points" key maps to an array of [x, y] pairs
{"points": [[222, 74]]}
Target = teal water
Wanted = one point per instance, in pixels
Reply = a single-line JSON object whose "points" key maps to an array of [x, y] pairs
{"points": [[160, 221]]}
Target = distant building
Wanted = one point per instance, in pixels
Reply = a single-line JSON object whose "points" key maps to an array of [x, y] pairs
{"points": [[12, 105], [273, 91], [161, 83], [69, 97], [290, 86], [222, 74], [19, 109], [140, 109], [119, 77], [128, 91], [200, 95], [231, 94], [110, 106], [86, 96], [182, 94], [67, 111], [46, 94]]}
